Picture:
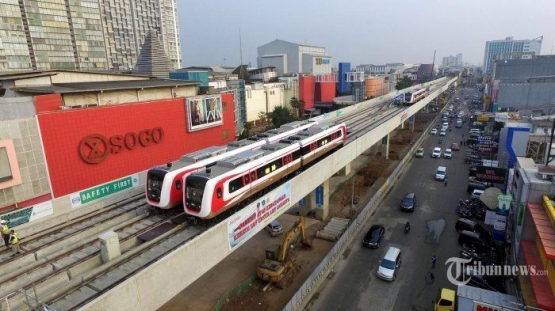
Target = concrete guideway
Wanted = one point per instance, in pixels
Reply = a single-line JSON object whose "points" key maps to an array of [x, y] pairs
{"points": [[153, 286]]}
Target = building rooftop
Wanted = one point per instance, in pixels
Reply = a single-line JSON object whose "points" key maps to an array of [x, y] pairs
{"points": [[102, 86], [43, 73]]}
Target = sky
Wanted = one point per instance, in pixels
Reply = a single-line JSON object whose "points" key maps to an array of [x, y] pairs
{"points": [[359, 31]]}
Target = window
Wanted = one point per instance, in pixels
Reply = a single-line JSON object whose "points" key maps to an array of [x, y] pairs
{"points": [[178, 185], [219, 192], [235, 184]]}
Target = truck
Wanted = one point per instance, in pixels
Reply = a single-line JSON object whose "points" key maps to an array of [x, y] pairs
{"points": [[473, 298], [278, 266]]}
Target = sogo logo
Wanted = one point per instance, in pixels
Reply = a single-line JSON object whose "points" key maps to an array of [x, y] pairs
{"points": [[95, 148]]}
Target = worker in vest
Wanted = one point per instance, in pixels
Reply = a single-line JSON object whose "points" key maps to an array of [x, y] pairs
{"points": [[5, 232], [14, 242]]}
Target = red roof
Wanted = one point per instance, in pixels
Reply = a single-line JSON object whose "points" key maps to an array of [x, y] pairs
{"points": [[540, 283], [544, 229]]}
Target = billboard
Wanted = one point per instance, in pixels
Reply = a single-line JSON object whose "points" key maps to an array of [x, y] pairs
{"points": [[248, 221], [203, 112], [491, 174]]}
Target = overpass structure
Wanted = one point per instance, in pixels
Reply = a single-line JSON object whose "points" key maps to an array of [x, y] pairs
{"points": [[159, 282]]}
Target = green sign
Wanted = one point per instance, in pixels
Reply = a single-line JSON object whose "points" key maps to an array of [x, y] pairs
{"points": [[96, 193]]}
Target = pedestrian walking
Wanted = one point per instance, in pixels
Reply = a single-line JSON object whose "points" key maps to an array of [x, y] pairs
{"points": [[434, 260], [446, 181], [5, 232], [14, 242]]}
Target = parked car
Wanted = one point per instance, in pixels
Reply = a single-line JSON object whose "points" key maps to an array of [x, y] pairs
{"points": [[374, 236], [469, 225], [472, 159], [274, 228], [436, 153], [433, 131], [419, 153], [489, 282], [408, 202], [476, 193], [481, 241], [448, 154], [473, 185], [390, 264], [455, 147]]}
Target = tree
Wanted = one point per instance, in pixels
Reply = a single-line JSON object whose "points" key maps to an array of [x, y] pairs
{"points": [[262, 116], [297, 105], [246, 133], [404, 83], [281, 116]]}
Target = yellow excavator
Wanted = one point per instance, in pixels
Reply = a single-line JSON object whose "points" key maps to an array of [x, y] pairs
{"points": [[277, 264]]}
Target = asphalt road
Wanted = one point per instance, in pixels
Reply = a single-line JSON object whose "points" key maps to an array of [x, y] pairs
{"points": [[354, 284]]}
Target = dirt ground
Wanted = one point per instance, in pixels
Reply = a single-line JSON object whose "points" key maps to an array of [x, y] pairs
{"points": [[377, 167]]}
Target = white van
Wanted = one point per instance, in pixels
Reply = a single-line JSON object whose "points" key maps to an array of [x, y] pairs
{"points": [[441, 173]]}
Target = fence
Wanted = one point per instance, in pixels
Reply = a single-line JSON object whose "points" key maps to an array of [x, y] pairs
{"points": [[234, 292]]}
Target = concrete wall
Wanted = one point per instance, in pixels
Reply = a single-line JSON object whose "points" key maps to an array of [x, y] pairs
{"points": [[14, 108], [30, 160], [156, 284], [127, 96]]}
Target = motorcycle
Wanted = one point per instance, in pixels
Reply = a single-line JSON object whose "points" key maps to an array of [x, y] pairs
{"points": [[407, 227], [440, 141]]}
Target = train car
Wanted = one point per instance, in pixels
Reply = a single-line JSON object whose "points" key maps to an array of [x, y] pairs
{"points": [[414, 97], [164, 183], [233, 180]]}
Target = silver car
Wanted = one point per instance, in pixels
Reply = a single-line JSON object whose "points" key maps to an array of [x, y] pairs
{"points": [[390, 264]]}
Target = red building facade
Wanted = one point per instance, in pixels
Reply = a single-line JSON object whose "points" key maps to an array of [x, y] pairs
{"points": [[91, 146]]}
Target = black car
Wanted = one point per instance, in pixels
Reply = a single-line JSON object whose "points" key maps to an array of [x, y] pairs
{"points": [[475, 279], [373, 236], [469, 225], [408, 203], [472, 159]]}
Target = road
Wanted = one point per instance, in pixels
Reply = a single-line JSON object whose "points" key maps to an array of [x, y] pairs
{"points": [[354, 285]]}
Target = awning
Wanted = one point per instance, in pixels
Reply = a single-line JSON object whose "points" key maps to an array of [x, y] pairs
{"points": [[540, 283], [544, 229]]}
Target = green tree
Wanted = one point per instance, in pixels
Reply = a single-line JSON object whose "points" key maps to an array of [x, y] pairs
{"points": [[280, 116], [246, 133], [403, 84], [297, 105]]}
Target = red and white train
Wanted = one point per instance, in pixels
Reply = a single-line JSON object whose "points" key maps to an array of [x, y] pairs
{"points": [[234, 179], [164, 183], [413, 97]]}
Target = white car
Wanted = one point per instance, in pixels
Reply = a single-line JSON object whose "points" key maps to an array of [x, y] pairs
{"points": [[442, 132], [448, 154], [433, 132], [476, 193], [436, 153]]}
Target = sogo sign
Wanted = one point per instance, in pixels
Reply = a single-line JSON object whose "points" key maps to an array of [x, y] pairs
{"points": [[95, 148]]}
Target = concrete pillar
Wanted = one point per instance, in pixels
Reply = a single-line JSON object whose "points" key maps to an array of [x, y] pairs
{"points": [[412, 121], [109, 246], [402, 124], [385, 143], [322, 200], [306, 205], [345, 170]]}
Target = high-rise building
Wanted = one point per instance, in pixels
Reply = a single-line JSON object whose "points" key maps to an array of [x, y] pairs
{"points": [[84, 34], [510, 49], [452, 60]]}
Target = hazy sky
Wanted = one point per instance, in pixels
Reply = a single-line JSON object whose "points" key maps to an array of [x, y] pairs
{"points": [[360, 31]]}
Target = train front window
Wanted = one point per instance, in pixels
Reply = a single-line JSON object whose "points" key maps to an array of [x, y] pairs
{"points": [[194, 189], [154, 183]]}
